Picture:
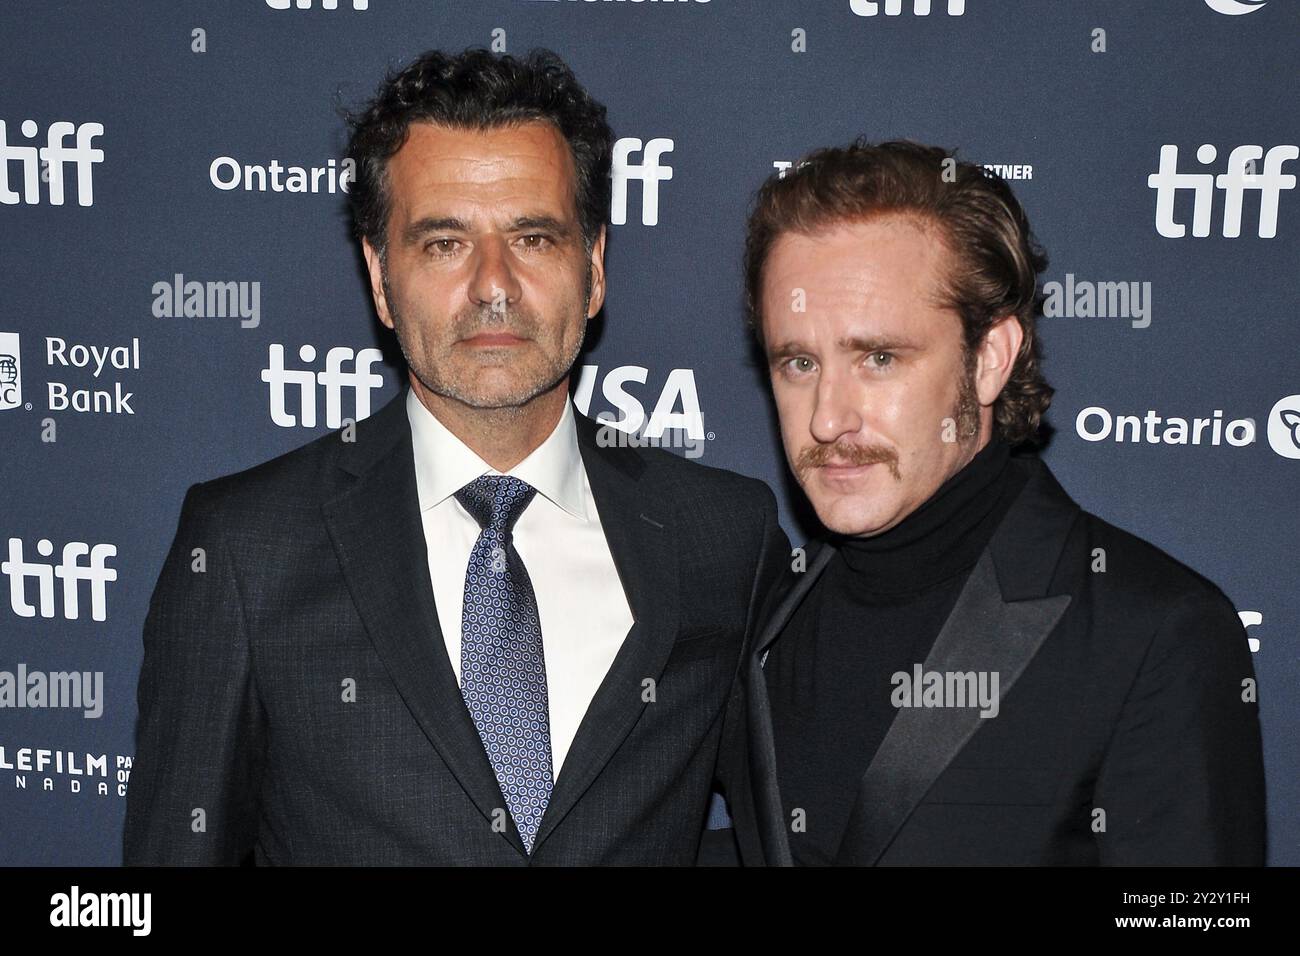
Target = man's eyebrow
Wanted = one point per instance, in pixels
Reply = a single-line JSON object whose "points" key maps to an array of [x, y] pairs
{"points": [[422, 227], [784, 350], [430, 224], [874, 343], [545, 223], [851, 343]]}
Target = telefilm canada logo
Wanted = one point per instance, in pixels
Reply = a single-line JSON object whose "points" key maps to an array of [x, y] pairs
{"points": [[65, 771]]}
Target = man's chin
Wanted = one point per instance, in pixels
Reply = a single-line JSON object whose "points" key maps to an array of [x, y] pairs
{"points": [[488, 399], [492, 387], [851, 519], [483, 395]]}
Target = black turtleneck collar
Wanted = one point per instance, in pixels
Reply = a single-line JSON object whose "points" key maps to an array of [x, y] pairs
{"points": [[940, 539]]}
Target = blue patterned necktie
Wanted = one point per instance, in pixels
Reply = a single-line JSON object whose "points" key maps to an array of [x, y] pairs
{"points": [[502, 668]]}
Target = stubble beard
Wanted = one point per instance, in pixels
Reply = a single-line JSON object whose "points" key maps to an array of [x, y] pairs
{"points": [[432, 374]]}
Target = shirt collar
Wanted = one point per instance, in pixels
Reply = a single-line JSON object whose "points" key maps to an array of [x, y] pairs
{"points": [[444, 464]]}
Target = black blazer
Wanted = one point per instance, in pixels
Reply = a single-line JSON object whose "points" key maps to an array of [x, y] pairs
{"points": [[1121, 691], [317, 581]]}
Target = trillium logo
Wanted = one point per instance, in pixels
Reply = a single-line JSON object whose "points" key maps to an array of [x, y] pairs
{"points": [[1284, 427], [1234, 8]]}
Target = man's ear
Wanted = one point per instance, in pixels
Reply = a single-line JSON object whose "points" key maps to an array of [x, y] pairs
{"points": [[376, 282], [597, 266], [996, 358]]}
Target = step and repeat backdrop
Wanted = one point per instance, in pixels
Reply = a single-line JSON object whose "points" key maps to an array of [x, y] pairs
{"points": [[180, 297]]}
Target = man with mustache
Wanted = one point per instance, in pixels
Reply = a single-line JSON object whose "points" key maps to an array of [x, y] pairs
{"points": [[475, 631], [971, 669]]}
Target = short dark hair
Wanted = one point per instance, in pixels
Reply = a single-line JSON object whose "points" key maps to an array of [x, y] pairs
{"points": [[995, 259], [477, 90]]}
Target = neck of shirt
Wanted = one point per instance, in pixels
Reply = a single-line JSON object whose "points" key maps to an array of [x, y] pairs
{"points": [[943, 537]]}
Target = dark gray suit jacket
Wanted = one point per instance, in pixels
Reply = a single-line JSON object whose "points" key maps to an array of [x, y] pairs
{"points": [[317, 581], [1121, 692]]}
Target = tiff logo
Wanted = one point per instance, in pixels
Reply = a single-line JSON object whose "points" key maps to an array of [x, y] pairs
{"points": [[1251, 619], [56, 155], [361, 381], [70, 570], [1240, 176], [651, 173], [306, 4], [894, 8]]}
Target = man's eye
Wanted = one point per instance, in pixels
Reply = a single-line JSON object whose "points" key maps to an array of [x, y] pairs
{"points": [[795, 366], [882, 359], [536, 241], [441, 246]]}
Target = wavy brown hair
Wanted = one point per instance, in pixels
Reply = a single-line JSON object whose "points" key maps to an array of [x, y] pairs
{"points": [[477, 90], [995, 260]]}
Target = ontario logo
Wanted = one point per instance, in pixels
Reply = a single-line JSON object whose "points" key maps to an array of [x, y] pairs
{"points": [[1234, 8], [1284, 427]]}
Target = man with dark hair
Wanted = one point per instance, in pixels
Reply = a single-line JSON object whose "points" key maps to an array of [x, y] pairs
{"points": [[475, 632], [970, 669]]}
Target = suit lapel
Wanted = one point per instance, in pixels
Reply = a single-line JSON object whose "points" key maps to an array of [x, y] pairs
{"points": [[821, 553], [983, 633], [378, 535], [1000, 620], [761, 763], [643, 542]]}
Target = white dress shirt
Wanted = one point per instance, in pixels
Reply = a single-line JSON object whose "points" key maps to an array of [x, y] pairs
{"points": [[580, 601]]}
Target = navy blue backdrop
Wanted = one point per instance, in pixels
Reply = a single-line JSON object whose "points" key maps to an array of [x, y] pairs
{"points": [[148, 145]]}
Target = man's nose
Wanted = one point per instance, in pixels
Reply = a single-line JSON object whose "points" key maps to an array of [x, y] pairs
{"points": [[493, 282], [837, 411]]}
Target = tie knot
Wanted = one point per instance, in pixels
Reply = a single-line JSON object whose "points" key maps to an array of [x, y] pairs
{"points": [[496, 501]]}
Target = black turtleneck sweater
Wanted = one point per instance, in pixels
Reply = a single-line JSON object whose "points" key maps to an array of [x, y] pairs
{"points": [[876, 609]]}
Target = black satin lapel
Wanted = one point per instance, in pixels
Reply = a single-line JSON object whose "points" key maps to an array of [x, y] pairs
{"points": [[771, 629], [983, 633], [761, 765], [379, 539], [761, 751]]}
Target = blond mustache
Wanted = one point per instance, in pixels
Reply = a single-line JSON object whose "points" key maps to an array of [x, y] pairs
{"points": [[815, 456]]}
